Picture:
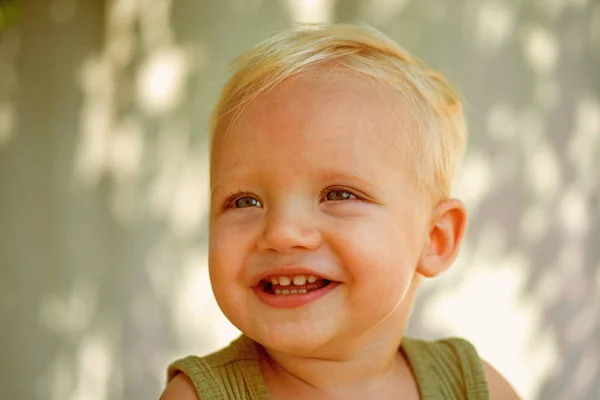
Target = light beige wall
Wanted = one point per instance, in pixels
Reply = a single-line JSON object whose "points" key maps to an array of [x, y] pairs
{"points": [[103, 185]]}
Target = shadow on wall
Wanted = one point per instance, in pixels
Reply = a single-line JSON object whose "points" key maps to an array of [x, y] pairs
{"points": [[529, 74], [103, 185], [103, 174]]}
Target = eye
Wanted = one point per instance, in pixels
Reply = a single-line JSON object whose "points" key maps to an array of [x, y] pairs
{"points": [[339, 195], [246, 202]]}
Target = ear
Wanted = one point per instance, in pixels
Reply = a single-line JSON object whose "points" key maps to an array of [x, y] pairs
{"points": [[448, 225]]}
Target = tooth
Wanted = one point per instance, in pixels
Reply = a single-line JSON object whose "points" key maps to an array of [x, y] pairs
{"points": [[284, 281], [312, 279], [274, 280], [301, 291], [299, 280], [277, 291], [293, 291], [285, 291]]}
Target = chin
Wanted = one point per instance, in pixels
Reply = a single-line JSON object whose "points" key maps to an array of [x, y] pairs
{"points": [[293, 338]]}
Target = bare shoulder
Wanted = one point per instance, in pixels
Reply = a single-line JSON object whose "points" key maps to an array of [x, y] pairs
{"points": [[180, 388], [498, 386]]}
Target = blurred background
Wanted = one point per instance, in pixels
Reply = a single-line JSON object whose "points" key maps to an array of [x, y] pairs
{"points": [[103, 184]]}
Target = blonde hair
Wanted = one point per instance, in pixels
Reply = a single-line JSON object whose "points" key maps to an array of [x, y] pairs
{"points": [[438, 147]]}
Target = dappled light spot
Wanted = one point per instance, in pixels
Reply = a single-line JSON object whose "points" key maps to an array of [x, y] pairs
{"points": [[310, 11], [162, 78], [594, 29], [501, 122], [195, 313], [541, 49], [574, 213], [531, 131], [540, 352], [121, 39], [382, 11], [172, 154], [94, 366], [534, 222], [59, 379], [584, 144], [495, 22], [70, 318], [162, 280], [122, 13], [92, 154], [190, 200], [156, 29], [120, 47], [70, 315], [502, 318], [125, 158], [9, 50], [543, 172], [7, 122], [475, 180], [127, 149]]}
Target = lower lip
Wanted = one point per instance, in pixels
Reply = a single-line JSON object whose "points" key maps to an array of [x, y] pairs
{"points": [[293, 300]]}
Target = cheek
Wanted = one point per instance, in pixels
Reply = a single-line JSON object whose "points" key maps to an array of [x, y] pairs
{"points": [[226, 260], [374, 249], [226, 253], [380, 260]]}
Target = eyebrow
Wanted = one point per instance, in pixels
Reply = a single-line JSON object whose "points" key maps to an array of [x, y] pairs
{"points": [[217, 188], [345, 176], [324, 175], [231, 180]]}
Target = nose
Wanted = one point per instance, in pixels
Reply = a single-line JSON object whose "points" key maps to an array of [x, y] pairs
{"points": [[288, 229]]}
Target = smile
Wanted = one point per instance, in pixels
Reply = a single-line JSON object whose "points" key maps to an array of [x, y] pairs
{"points": [[292, 291], [298, 284]]}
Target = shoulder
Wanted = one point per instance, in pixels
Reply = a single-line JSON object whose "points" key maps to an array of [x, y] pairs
{"points": [[193, 377], [180, 388], [498, 386], [441, 356]]}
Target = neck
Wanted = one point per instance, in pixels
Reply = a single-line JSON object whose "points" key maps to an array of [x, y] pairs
{"points": [[370, 364]]}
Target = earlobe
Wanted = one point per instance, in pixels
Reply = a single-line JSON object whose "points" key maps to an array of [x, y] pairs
{"points": [[448, 225]]}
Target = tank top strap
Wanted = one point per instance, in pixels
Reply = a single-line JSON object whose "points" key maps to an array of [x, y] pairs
{"points": [[450, 369], [231, 373]]}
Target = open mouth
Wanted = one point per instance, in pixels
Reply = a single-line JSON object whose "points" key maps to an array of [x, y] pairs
{"points": [[292, 285]]}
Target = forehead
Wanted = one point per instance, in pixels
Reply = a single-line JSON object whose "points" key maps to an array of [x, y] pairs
{"points": [[322, 118]]}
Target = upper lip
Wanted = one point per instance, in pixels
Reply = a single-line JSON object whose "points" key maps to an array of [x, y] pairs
{"points": [[288, 270]]}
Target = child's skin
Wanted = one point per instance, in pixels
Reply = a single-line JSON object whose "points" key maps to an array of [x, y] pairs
{"points": [[309, 180]]}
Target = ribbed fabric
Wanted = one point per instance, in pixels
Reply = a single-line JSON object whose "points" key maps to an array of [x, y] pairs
{"points": [[448, 369], [232, 373]]}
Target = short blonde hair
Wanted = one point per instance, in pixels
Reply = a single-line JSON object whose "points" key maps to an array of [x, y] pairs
{"points": [[440, 143]]}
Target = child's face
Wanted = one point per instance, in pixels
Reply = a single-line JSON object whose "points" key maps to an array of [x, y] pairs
{"points": [[308, 182]]}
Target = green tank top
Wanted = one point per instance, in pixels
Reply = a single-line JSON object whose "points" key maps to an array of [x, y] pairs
{"points": [[448, 369]]}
